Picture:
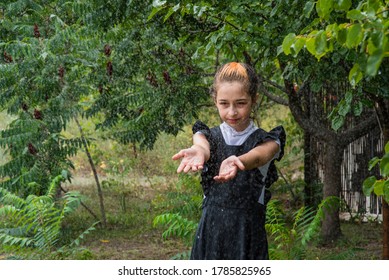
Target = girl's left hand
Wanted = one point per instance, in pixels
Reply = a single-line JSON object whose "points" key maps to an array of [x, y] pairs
{"points": [[228, 169]]}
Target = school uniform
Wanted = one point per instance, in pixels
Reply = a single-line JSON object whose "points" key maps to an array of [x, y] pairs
{"points": [[232, 225]]}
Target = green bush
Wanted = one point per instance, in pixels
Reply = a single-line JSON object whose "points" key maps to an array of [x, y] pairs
{"points": [[34, 223]]}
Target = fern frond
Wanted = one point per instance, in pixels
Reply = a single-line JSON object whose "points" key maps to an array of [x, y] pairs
{"points": [[54, 185], [76, 242], [9, 199], [330, 203], [14, 240], [73, 201], [177, 225], [8, 210]]}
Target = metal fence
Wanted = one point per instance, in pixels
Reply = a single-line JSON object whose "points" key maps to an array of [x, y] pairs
{"points": [[356, 157]]}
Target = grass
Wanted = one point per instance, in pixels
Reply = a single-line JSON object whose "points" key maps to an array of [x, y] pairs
{"points": [[360, 241]]}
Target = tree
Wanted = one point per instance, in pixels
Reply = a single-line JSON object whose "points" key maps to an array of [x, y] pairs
{"points": [[254, 33], [47, 57], [63, 60], [361, 31]]}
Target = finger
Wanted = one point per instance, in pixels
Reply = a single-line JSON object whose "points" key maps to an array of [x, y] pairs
{"points": [[187, 168], [219, 178], [179, 155], [180, 168]]}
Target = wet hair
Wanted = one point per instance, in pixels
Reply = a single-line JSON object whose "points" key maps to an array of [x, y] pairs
{"points": [[236, 72]]}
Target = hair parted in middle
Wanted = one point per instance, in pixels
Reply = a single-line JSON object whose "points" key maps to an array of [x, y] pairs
{"points": [[236, 72]]}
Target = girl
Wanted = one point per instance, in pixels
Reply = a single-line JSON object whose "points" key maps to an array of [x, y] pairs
{"points": [[237, 164]]}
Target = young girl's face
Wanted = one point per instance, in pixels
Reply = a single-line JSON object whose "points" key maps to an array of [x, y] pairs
{"points": [[234, 105]]}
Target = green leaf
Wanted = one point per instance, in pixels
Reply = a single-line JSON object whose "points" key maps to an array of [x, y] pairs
{"points": [[337, 122], [374, 62], [384, 166], [349, 97], [298, 45], [321, 42], [373, 162], [355, 75], [387, 148], [287, 43], [342, 5], [342, 35], [355, 15], [158, 3], [354, 35], [368, 185], [324, 8], [170, 12], [379, 187], [155, 10], [344, 108], [310, 43], [358, 108], [308, 8]]}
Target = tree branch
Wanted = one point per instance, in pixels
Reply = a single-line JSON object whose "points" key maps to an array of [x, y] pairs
{"points": [[361, 129], [273, 97], [270, 82]]}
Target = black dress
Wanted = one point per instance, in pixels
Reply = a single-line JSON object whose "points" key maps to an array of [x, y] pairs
{"points": [[232, 225]]}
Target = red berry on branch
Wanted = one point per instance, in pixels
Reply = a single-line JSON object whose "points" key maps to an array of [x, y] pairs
{"points": [[107, 50], [37, 34], [109, 68], [37, 114], [167, 78], [31, 149], [151, 78], [61, 72], [7, 57]]}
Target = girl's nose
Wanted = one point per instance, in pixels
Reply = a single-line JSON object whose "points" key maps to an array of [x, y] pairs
{"points": [[233, 111]]}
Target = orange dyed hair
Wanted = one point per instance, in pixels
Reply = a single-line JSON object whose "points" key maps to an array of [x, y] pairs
{"points": [[236, 72]]}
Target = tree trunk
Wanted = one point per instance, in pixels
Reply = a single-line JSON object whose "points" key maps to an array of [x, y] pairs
{"points": [[385, 218], [99, 190], [332, 185], [308, 188], [385, 209]]}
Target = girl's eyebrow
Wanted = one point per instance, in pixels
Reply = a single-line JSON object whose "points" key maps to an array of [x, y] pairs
{"points": [[237, 100]]}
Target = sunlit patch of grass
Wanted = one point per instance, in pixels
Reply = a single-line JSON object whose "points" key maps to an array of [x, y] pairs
{"points": [[359, 242]]}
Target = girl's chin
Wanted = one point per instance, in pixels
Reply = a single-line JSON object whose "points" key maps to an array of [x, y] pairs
{"points": [[238, 125]]}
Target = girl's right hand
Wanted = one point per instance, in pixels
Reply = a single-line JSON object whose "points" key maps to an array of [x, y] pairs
{"points": [[192, 159]]}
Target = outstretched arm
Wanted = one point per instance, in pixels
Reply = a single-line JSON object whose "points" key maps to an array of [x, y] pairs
{"points": [[260, 155], [255, 158], [193, 158]]}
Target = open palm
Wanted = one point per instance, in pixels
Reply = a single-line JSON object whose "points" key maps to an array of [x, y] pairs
{"points": [[192, 160]]}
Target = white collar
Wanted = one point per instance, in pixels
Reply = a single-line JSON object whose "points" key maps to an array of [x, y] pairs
{"points": [[233, 133]]}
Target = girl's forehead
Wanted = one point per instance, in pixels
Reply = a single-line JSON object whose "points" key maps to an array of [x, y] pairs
{"points": [[230, 91]]}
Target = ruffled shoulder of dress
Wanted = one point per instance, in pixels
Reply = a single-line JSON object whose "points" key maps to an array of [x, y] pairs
{"points": [[278, 133], [199, 126]]}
